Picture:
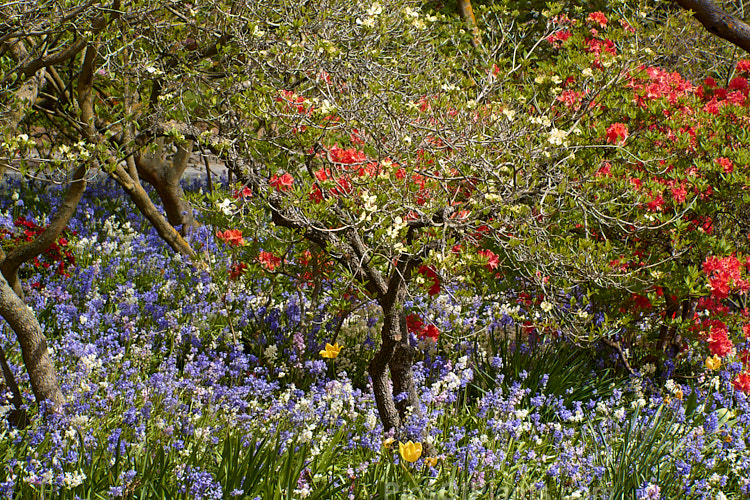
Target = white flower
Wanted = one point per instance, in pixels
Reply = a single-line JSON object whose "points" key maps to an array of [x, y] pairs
{"points": [[375, 9], [224, 206], [270, 352], [542, 120], [369, 22], [409, 12]]}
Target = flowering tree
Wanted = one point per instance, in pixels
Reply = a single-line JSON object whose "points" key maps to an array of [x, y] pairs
{"points": [[366, 139], [547, 159]]}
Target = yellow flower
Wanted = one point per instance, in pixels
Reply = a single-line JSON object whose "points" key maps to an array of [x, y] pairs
{"points": [[331, 351], [431, 461], [713, 362], [410, 451], [678, 394], [388, 442]]}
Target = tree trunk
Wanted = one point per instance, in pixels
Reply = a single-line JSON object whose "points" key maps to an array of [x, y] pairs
{"points": [[165, 177], [140, 197], [33, 347], [467, 13], [17, 416], [401, 373], [390, 335]]}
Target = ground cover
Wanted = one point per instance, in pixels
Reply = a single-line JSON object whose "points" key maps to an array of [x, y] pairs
{"points": [[182, 382]]}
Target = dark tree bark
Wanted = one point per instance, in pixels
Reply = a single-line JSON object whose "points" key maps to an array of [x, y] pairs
{"points": [[33, 347], [378, 369], [164, 175], [719, 22], [17, 415]]}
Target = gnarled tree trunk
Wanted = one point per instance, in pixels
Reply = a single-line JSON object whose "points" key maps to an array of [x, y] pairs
{"points": [[390, 335], [165, 177], [397, 355], [33, 347]]}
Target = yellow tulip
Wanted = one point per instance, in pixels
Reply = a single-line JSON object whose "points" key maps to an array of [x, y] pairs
{"points": [[431, 461], [331, 351], [388, 442], [713, 362], [410, 451]]}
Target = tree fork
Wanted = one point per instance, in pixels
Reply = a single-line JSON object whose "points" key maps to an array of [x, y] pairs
{"points": [[165, 177]]}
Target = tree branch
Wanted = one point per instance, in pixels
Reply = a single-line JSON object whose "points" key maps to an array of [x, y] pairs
{"points": [[719, 22]]}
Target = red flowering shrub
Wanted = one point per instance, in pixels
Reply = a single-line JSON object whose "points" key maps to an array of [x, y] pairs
{"points": [[283, 182], [269, 261], [232, 237], [719, 343], [742, 382], [57, 256], [617, 133]]}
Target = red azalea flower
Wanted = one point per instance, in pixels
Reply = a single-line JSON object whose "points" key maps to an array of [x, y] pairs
{"points": [[431, 332], [414, 325], [617, 133], [493, 261], [283, 183], [231, 236], [315, 195], [599, 18], [742, 382], [246, 192], [679, 194], [726, 164], [718, 342], [268, 260], [558, 38]]}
